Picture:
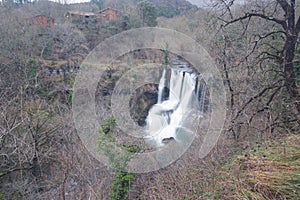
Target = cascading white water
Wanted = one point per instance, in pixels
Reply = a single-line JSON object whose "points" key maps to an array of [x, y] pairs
{"points": [[161, 86], [167, 116], [202, 98], [197, 89]]}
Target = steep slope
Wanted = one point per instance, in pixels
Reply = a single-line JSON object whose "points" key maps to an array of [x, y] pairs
{"points": [[170, 8], [181, 5], [167, 8]]}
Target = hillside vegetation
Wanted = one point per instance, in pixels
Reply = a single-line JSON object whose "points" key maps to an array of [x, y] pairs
{"points": [[268, 170], [255, 47]]}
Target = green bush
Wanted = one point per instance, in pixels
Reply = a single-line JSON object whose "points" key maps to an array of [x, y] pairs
{"points": [[33, 68], [121, 185], [108, 125], [122, 180]]}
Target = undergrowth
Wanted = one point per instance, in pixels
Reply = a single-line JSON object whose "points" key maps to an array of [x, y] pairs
{"points": [[122, 180], [267, 172]]}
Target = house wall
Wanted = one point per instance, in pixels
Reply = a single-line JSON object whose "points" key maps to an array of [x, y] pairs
{"points": [[41, 20], [108, 15], [77, 18]]}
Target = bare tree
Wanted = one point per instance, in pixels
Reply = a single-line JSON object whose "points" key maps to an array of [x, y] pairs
{"points": [[41, 157], [259, 59]]}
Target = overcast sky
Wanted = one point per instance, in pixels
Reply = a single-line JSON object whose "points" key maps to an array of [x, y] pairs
{"points": [[195, 2], [199, 3]]}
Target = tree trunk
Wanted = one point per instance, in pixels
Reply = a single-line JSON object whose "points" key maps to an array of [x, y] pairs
{"points": [[289, 68]]}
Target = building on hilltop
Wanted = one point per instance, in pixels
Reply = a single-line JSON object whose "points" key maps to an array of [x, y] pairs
{"points": [[80, 17], [40, 20], [108, 14], [103, 16]]}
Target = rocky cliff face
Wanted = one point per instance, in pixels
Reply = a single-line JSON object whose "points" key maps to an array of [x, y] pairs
{"points": [[141, 102]]}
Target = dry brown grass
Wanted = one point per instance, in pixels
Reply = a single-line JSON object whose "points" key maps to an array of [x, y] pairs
{"points": [[269, 171]]}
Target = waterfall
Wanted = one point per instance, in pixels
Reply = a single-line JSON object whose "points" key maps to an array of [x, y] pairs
{"points": [[197, 88], [167, 116], [161, 86], [202, 97]]}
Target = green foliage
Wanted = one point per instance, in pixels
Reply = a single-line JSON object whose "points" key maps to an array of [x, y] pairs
{"points": [[135, 22], [132, 148], [117, 159], [33, 68], [109, 125], [113, 29], [42, 92], [148, 13], [212, 195], [71, 80], [168, 12], [106, 140], [122, 180], [166, 57], [69, 96], [121, 185], [125, 22]]}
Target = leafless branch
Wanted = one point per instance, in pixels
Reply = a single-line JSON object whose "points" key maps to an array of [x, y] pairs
{"points": [[284, 4], [260, 94], [250, 15]]}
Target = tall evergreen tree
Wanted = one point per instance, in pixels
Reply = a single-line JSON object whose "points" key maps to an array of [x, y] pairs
{"points": [[148, 13]]}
